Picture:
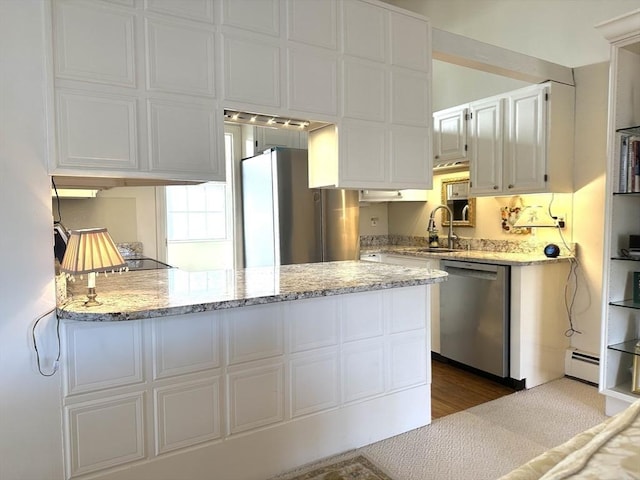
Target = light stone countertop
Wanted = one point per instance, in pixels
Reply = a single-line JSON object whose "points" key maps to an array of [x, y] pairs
{"points": [[497, 258], [158, 293]]}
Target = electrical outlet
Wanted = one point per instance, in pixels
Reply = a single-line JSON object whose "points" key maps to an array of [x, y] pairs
{"points": [[374, 221]]}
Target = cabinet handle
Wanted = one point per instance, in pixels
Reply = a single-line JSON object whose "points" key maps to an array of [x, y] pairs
{"points": [[510, 186], [495, 187]]}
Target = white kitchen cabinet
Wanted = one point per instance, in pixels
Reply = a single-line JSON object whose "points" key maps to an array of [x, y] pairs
{"points": [[135, 91], [486, 144], [522, 142], [312, 81], [365, 30], [258, 16], [526, 147], [252, 72], [281, 57], [450, 134], [620, 314], [382, 139]]}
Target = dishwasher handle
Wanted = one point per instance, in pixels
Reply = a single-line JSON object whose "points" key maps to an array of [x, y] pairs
{"points": [[470, 269]]}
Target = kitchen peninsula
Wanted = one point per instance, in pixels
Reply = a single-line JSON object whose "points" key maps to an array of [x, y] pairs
{"points": [[168, 372]]}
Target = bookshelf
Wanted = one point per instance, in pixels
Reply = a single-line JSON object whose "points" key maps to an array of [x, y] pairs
{"points": [[628, 164], [619, 357]]}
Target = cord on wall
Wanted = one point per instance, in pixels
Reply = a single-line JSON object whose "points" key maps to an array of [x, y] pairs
{"points": [[56, 362], [573, 272]]}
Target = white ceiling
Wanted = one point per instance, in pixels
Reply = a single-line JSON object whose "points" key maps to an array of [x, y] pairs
{"points": [[559, 31]]}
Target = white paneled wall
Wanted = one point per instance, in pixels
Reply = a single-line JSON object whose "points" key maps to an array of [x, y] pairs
{"points": [[137, 390]]}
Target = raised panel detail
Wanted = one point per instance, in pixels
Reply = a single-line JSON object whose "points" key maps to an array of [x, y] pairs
{"points": [[243, 59], [313, 22], [180, 58], [254, 333], [170, 341], [182, 137], [314, 383], [364, 90], [177, 426], [313, 324], [261, 16], [410, 154], [410, 42], [406, 309], [407, 360], [313, 81], [410, 98], [363, 316], [102, 355], [363, 369], [365, 145], [256, 397], [365, 30], [96, 131], [201, 10], [95, 43], [104, 433]]}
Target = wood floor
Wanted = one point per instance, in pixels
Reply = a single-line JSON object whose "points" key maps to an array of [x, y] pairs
{"points": [[454, 389]]}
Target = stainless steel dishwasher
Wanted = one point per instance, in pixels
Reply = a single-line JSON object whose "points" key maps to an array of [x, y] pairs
{"points": [[474, 315]]}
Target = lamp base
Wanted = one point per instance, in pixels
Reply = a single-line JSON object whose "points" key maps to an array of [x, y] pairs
{"points": [[91, 295]]}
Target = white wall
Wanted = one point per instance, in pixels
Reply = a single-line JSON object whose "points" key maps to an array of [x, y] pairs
{"points": [[590, 152], [30, 410]]}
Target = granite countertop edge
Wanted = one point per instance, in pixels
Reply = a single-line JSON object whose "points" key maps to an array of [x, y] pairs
{"points": [[74, 308], [497, 258]]}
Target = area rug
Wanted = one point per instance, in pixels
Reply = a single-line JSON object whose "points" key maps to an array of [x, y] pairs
{"points": [[356, 468]]}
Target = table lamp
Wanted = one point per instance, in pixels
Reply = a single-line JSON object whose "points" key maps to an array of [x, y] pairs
{"points": [[90, 251]]}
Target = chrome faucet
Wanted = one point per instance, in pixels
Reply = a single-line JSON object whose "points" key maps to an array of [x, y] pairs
{"points": [[432, 224]]}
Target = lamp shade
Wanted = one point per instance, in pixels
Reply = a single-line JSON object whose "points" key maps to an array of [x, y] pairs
{"points": [[534, 216], [91, 250]]}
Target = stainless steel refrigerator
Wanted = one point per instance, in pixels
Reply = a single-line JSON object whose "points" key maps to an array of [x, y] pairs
{"points": [[285, 221]]}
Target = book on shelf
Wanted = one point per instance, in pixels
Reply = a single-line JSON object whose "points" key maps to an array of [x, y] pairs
{"points": [[636, 287], [628, 168]]}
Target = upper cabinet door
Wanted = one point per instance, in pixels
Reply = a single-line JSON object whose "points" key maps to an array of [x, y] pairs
{"points": [[410, 100], [485, 170], [313, 22], [450, 134], [410, 42], [251, 69], [94, 43], [199, 10], [410, 152], [365, 30], [180, 58], [260, 16], [526, 148], [364, 89], [312, 81]]}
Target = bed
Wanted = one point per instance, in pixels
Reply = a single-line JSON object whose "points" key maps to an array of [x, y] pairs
{"points": [[608, 451]]}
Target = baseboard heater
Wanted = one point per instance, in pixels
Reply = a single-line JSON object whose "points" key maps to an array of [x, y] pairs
{"points": [[582, 365]]}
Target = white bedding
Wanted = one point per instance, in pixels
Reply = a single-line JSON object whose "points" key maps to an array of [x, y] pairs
{"points": [[608, 451]]}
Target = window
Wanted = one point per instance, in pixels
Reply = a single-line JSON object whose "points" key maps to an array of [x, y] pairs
{"points": [[200, 218], [197, 212]]}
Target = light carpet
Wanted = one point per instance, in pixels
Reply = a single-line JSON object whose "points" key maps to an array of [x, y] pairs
{"points": [[487, 441]]}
